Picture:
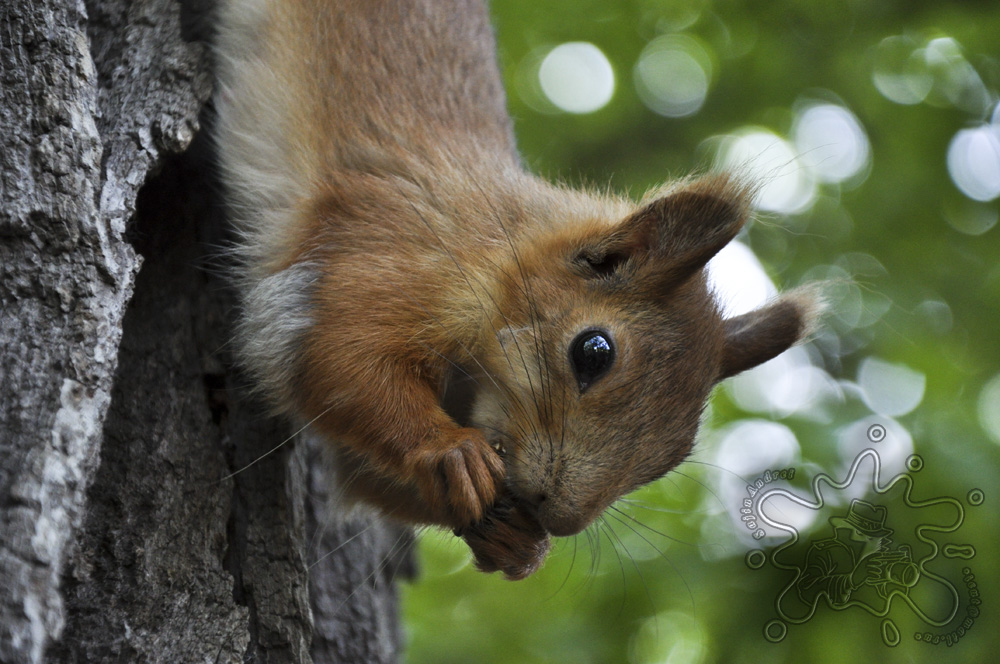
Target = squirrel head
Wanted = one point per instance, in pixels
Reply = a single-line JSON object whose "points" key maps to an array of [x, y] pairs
{"points": [[606, 344]]}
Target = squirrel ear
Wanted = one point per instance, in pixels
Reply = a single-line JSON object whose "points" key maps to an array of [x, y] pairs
{"points": [[676, 234], [759, 335]]}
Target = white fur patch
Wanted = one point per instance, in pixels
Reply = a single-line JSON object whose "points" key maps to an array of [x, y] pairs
{"points": [[276, 315], [266, 177]]}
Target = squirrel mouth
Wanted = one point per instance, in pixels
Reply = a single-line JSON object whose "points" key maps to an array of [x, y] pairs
{"points": [[498, 446]]}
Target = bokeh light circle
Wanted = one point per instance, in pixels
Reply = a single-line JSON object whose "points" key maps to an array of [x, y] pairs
{"points": [[901, 72], [672, 75], [577, 77], [988, 407], [831, 142], [974, 162]]}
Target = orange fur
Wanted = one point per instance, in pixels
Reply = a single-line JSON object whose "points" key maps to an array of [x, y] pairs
{"points": [[392, 244]]}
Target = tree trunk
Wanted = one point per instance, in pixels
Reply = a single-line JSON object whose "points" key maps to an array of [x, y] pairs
{"points": [[133, 526]]}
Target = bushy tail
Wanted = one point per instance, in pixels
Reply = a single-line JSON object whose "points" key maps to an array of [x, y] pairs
{"points": [[266, 166]]}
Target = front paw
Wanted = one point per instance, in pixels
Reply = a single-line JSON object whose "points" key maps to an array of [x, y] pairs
{"points": [[508, 540], [461, 477]]}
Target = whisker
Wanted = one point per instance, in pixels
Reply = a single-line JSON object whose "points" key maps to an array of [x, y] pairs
{"points": [[632, 518], [273, 449], [526, 290], [393, 550], [649, 507], [718, 467], [569, 571], [604, 528], [340, 546], [593, 541], [662, 555], [635, 565], [465, 277], [512, 396], [702, 485]]}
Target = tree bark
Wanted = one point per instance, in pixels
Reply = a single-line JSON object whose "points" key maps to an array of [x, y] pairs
{"points": [[143, 515]]}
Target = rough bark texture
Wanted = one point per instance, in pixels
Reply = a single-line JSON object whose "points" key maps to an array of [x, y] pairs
{"points": [[126, 532]]}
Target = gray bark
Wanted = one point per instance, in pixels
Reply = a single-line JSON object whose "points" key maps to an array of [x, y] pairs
{"points": [[126, 532]]}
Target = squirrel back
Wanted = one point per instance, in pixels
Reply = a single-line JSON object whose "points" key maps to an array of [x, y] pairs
{"points": [[482, 349], [310, 88]]}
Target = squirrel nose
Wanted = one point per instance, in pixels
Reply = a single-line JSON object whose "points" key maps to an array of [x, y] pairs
{"points": [[556, 515], [535, 500]]}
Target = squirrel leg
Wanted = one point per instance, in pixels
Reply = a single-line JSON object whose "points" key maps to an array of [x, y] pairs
{"points": [[458, 473], [401, 432]]}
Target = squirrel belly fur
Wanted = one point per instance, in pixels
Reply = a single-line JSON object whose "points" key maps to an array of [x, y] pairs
{"points": [[481, 349]]}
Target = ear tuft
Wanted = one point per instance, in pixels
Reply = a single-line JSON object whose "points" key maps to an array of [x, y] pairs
{"points": [[812, 305], [762, 334], [692, 221]]}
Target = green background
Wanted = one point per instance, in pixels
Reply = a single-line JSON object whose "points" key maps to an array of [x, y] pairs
{"points": [[666, 580]]}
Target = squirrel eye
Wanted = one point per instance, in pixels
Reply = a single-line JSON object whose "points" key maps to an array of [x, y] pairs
{"points": [[591, 355]]}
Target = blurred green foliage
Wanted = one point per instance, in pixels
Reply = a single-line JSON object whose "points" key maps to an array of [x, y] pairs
{"points": [[918, 286]]}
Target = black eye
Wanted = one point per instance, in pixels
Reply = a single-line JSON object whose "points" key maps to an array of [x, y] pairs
{"points": [[591, 355]]}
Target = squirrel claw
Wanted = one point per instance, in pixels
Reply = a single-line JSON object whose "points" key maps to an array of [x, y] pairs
{"points": [[462, 481]]}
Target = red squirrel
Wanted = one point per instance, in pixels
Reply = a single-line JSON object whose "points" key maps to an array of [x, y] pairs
{"points": [[482, 350]]}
